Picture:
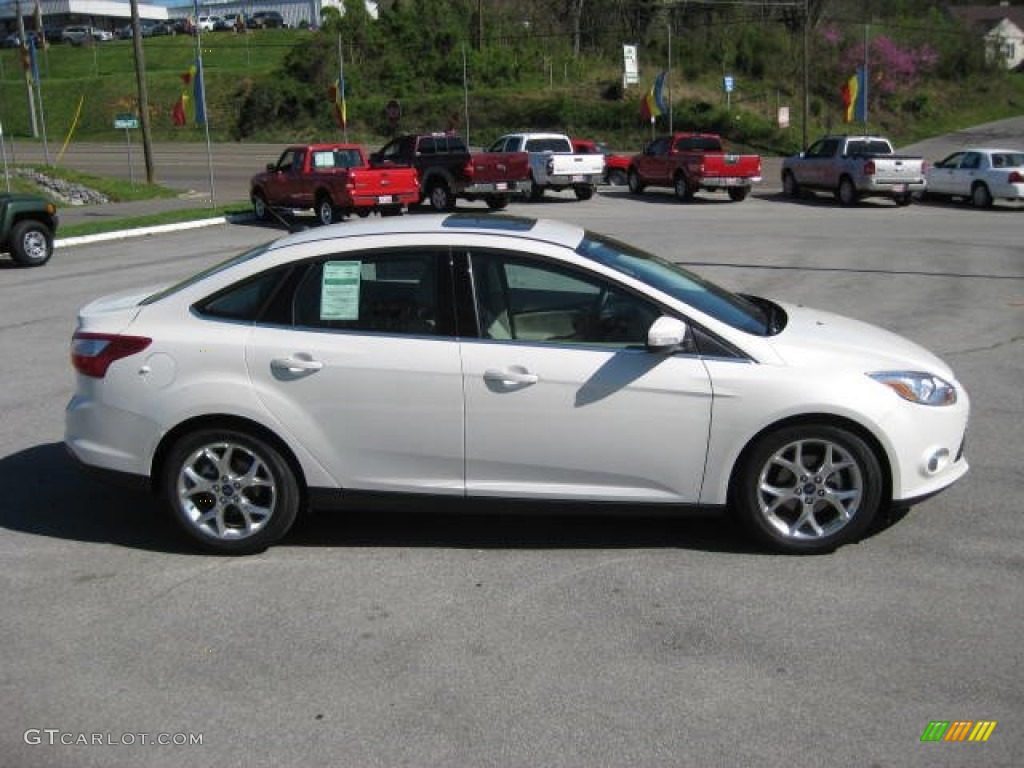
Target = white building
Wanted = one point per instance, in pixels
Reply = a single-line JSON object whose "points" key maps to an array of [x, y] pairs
{"points": [[1001, 27]]}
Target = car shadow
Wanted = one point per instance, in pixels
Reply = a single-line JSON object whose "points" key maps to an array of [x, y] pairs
{"points": [[47, 494], [814, 200]]}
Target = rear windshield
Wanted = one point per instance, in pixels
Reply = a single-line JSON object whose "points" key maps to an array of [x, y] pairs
{"points": [[868, 148], [548, 145]]}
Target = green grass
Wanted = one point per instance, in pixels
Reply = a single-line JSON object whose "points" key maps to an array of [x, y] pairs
{"points": [[152, 220]]}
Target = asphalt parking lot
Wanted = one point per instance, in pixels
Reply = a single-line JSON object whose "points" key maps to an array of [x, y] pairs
{"points": [[439, 640]]}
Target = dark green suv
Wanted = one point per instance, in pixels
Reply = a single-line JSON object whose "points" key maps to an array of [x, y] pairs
{"points": [[27, 226]]}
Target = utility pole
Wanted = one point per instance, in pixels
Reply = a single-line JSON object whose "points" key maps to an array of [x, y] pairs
{"points": [[807, 76], [140, 79], [27, 71]]}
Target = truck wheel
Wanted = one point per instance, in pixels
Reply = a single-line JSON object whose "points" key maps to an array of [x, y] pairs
{"points": [[535, 192], [738, 194], [391, 210], [31, 243], [259, 206], [633, 181], [789, 186], [497, 202], [583, 192], [441, 198], [616, 177], [683, 188], [904, 199], [846, 193], [325, 212], [980, 196]]}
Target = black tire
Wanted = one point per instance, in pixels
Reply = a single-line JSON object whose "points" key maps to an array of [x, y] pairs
{"points": [[391, 210], [31, 243], [497, 202], [789, 186], [440, 197], [260, 208], [326, 213], [903, 199], [616, 177], [683, 189], [208, 470], [847, 193], [831, 503], [738, 194], [583, 191], [536, 193], [980, 195], [633, 182]]}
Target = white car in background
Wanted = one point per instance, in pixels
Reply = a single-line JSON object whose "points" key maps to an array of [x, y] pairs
{"points": [[208, 23], [483, 358], [980, 175]]}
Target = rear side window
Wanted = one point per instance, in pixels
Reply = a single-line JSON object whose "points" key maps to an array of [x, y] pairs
{"points": [[244, 301], [378, 292]]}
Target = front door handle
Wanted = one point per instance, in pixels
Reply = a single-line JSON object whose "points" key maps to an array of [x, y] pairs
{"points": [[295, 365], [511, 377]]}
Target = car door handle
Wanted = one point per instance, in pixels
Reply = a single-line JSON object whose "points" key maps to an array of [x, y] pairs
{"points": [[511, 377], [295, 365]]}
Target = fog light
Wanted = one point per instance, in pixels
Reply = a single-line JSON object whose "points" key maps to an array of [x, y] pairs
{"points": [[935, 461]]}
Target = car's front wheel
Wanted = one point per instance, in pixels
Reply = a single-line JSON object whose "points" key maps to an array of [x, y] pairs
{"points": [[808, 489], [325, 211], [230, 491], [31, 243]]}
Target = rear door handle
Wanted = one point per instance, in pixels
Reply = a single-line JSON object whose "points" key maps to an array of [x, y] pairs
{"points": [[511, 377], [295, 365]]}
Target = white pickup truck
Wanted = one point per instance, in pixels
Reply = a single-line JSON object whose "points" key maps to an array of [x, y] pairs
{"points": [[553, 164], [852, 168]]}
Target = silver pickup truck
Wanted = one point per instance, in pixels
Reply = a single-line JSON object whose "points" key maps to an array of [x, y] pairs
{"points": [[553, 164], [852, 168]]}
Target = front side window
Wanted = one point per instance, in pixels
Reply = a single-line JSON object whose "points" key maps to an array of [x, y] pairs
{"points": [[519, 299], [379, 292]]}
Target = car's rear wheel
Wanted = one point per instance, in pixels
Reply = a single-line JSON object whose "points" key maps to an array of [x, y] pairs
{"points": [[31, 243], [325, 211], [847, 193], [684, 190], [904, 199], [980, 196], [808, 489], [738, 194], [440, 197], [497, 202], [583, 191], [535, 192], [230, 491], [789, 186], [633, 180], [259, 206], [616, 177]]}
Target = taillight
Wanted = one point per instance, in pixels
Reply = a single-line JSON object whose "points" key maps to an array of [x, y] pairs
{"points": [[92, 353], [550, 166], [468, 170], [869, 168], [924, 167], [1015, 177]]}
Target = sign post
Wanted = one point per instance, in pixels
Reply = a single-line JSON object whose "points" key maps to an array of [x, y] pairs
{"points": [[127, 121], [728, 83]]}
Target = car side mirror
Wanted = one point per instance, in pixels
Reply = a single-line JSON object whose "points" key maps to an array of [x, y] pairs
{"points": [[271, 167], [666, 334]]}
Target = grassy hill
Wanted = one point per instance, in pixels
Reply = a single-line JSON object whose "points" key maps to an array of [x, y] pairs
{"points": [[252, 94]]}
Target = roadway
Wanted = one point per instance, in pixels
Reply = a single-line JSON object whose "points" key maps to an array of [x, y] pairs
{"points": [[438, 640]]}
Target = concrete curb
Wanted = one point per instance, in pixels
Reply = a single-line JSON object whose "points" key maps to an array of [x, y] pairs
{"points": [[139, 232]]}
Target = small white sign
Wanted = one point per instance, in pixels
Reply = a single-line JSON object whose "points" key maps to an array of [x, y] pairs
{"points": [[631, 74], [339, 290], [783, 117]]}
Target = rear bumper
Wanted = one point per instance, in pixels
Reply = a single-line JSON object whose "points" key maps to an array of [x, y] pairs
{"points": [[574, 179], [725, 182], [493, 188]]}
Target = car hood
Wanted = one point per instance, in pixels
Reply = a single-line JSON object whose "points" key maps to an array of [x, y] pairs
{"points": [[816, 338]]}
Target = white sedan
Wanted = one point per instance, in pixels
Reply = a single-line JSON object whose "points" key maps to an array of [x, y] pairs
{"points": [[981, 175], [476, 359]]}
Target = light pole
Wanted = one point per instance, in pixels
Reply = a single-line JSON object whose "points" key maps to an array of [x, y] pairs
{"points": [[140, 79]]}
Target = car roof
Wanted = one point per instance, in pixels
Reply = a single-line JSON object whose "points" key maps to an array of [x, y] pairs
{"points": [[484, 224]]}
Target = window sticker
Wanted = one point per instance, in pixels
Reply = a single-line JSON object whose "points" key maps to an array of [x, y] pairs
{"points": [[339, 290]]}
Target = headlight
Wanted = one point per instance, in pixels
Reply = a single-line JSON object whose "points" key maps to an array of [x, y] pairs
{"points": [[917, 387]]}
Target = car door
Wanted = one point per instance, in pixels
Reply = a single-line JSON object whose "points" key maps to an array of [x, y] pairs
{"points": [[357, 361], [964, 176], [653, 163], [564, 401]]}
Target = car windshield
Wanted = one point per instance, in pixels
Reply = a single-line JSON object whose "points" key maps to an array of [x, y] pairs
{"points": [[234, 260], [679, 283]]}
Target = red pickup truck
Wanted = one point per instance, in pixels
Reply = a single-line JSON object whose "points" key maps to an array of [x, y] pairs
{"points": [[334, 180], [690, 162]]}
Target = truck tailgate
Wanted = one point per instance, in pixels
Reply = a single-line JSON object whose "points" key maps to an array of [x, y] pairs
{"points": [[500, 166], [575, 165], [383, 182], [732, 166]]}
